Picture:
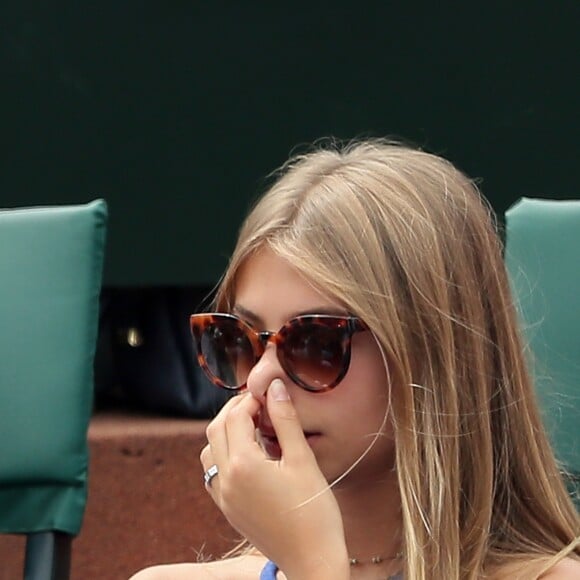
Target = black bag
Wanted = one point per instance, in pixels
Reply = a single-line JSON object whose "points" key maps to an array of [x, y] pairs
{"points": [[145, 356]]}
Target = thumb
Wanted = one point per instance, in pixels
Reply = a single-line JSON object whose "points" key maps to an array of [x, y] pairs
{"points": [[285, 422]]}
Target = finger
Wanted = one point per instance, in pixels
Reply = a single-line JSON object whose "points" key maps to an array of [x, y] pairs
{"points": [[241, 427], [286, 424], [216, 431], [207, 462], [206, 458], [230, 404]]}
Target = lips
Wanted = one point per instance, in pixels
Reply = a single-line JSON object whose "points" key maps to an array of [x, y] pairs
{"points": [[270, 442], [271, 446], [268, 432]]}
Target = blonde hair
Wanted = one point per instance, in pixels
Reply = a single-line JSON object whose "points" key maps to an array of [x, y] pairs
{"points": [[402, 239]]}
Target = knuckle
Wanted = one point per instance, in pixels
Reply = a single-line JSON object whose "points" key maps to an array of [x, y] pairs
{"points": [[211, 430], [237, 468], [234, 414], [204, 454]]}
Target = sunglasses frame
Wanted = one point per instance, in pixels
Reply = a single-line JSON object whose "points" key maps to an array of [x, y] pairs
{"points": [[348, 325]]}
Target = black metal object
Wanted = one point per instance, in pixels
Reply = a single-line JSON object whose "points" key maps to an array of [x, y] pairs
{"points": [[48, 556]]}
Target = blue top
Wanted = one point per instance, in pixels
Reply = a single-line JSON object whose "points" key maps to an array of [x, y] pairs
{"points": [[270, 569]]}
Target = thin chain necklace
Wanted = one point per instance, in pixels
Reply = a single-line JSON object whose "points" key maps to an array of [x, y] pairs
{"points": [[378, 560], [374, 559]]}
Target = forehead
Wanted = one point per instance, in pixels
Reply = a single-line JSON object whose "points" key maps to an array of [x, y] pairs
{"points": [[273, 291]]}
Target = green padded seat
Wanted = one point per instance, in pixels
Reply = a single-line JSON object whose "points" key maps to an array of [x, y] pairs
{"points": [[543, 260], [51, 262]]}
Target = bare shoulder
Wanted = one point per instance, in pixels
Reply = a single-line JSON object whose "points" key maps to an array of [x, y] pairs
{"points": [[247, 567], [566, 569]]}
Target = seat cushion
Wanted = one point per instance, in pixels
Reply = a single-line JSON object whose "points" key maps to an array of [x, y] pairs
{"points": [[51, 262]]}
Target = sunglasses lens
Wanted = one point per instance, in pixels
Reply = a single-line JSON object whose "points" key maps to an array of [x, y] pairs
{"points": [[228, 352], [315, 354]]}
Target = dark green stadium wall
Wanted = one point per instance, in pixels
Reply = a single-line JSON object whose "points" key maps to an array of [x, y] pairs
{"points": [[175, 111]]}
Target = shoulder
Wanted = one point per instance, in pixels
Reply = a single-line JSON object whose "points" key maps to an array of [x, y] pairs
{"points": [[247, 567], [566, 569]]}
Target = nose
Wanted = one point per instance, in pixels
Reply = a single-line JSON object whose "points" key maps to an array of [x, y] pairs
{"points": [[264, 372]]}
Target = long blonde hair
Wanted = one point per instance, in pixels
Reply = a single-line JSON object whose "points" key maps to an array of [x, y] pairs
{"points": [[404, 241]]}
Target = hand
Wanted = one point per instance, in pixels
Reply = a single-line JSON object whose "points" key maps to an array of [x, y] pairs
{"points": [[284, 508]]}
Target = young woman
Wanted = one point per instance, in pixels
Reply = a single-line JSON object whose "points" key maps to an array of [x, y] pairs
{"points": [[386, 426]]}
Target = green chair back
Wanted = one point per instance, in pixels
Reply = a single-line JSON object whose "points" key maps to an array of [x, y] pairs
{"points": [[51, 262], [543, 260]]}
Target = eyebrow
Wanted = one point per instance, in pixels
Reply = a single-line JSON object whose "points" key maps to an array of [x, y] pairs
{"points": [[254, 318]]}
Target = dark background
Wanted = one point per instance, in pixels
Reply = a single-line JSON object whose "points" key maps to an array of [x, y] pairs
{"points": [[175, 111]]}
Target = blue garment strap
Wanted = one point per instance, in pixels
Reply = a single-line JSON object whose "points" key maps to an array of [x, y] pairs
{"points": [[269, 571]]}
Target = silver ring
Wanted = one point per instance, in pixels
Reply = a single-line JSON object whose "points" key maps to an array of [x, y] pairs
{"points": [[210, 474]]}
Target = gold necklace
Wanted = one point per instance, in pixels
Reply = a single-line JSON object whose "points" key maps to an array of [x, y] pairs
{"points": [[374, 559]]}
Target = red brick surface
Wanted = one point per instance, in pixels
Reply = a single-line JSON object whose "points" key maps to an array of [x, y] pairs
{"points": [[147, 503]]}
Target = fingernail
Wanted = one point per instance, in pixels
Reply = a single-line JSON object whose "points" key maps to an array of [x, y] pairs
{"points": [[279, 392]]}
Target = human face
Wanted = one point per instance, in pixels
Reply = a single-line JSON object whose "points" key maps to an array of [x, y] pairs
{"points": [[339, 424]]}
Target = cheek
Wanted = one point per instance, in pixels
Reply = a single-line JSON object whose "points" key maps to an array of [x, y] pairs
{"points": [[369, 402], [359, 403], [368, 370], [367, 383], [361, 399]]}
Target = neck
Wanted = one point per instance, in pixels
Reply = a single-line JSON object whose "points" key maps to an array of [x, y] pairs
{"points": [[371, 515]]}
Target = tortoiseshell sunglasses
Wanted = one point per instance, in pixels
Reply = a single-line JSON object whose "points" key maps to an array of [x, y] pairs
{"points": [[313, 350]]}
